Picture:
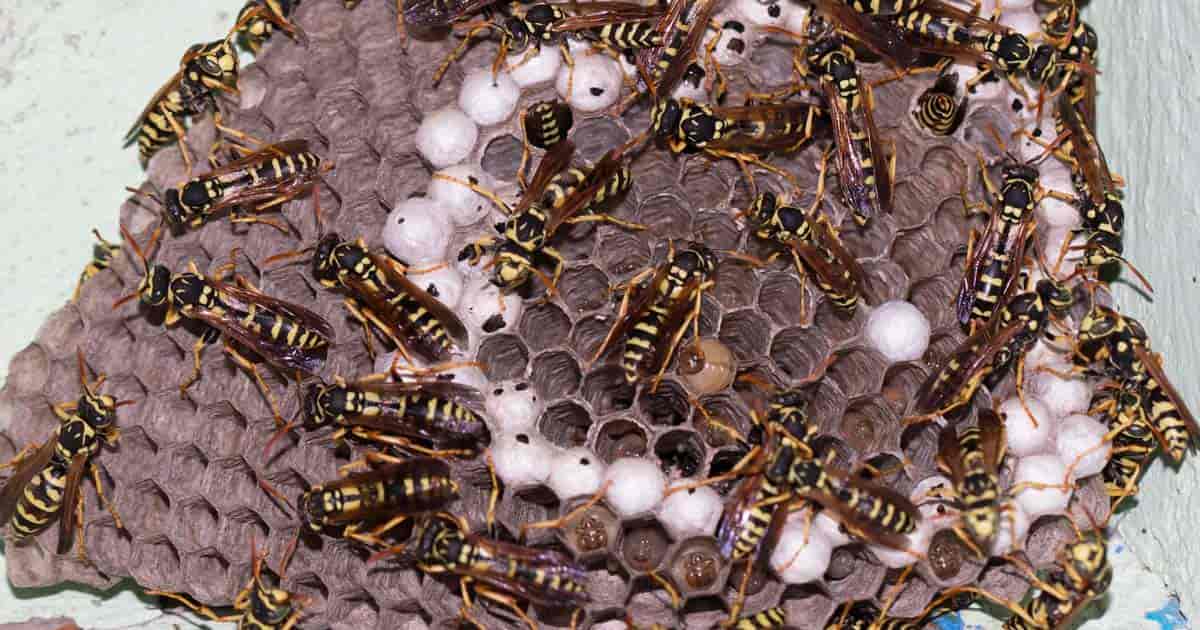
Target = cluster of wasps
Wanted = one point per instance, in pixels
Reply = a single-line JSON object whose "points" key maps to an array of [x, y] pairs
{"points": [[420, 421]]}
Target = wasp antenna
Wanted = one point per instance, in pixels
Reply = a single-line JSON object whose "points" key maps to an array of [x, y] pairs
{"points": [[1136, 272], [380, 555], [137, 249], [995, 133], [149, 195], [123, 299], [124, 403], [287, 555], [1049, 149], [282, 431], [274, 493]]}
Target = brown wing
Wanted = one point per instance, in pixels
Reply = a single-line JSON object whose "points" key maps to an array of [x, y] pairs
{"points": [[701, 14], [172, 83], [991, 438], [279, 354], [772, 116], [1154, 368], [551, 563], [10, 495], [850, 161], [435, 13], [557, 159], [440, 311], [464, 394], [852, 519], [883, 37], [1087, 153], [597, 178], [289, 147], [949, 455], [823, 233], [979, 258], [638, 304], [883, 178], [965, 18], [974, 356], [678, 313], [736, 511], [597, 14], [67, 516]]}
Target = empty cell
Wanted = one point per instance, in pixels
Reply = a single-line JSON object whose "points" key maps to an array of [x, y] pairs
{"points": [[155, 564], [253, 83], [96, 297], [834, 324], [194, 524], [606, 390], [289, 102], [109, 548], [935, 298], [207, 574], [920, 444], [230, 483], [583, 288], [544, 326], [702, 185], [243, 524], [622, 253], [503, 357], [867, 423], [885, 280], [723, 411], [145, 509], [61, 333], [593, 137], [863, 578], [555, 375], [353, 176], [746, 333], [680, 453], [871, 242], [919, 254], [357, 609], [780, 298], [736, 285], [910, 208], [391, 137], [900, 384], [223, 429], [588, 334], [799, 352], [944, 169], [654, 172], [914, 594], [620, 438], [501, 157], [565, 424], [857, 371], [665, 216], [669, 405], [644, 545]]}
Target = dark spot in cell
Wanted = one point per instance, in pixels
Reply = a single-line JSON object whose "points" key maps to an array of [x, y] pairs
{"points": [[1017, 105], [735, 25], [474, 181], [521, 386], [399, 220], [522, 438], [433, 290], [737, 45], [583, 461], [774, 10], [644, 548], [497, 391], [946, 554], [596, 91], [493, 323], [1037, 133]]}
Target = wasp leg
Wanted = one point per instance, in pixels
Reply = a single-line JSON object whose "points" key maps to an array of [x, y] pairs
{"points": [[207, 338], [374, 537], [493, 495], [672, 592], [112, 509], [562, 521], [622, 311], [247, 365], [198, 608], [694, 321], [395, 440], [459, 51], [401, 29], [751, 457], [507, 601], [181, 134]]}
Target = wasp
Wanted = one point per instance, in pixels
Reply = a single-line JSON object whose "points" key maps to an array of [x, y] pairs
{"points": [[543, 209], [659, 312], [499, 571], [389, 493], [258, 605], [683, 27], [815, 246], [1134, 443], [865, 508], [395, 413], [972, 459], [286, 335], [258, 19], [687, 127], [1086, 159], [883, 7], [46, 479], [204, 70], [762, 620], [1121, 345], [866, 189], [258, 181], [103, 253], [1081, 574], [865, 615], [380, 296], [937, 108], [546, 123]]}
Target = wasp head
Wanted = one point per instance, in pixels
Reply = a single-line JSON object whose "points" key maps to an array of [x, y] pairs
{"points": [[699, 126], [1042, 64], [1056, 294], [665, 117], [270, 606], [696, 260], [152, 290], [982, 524], [97, 410], [1100, 322], [540, 18], [512, 268], [215, 65], [763, 209]]}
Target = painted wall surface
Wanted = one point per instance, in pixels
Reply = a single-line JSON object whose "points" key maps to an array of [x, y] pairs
{"points": [[74, 75], [1149, 108]]}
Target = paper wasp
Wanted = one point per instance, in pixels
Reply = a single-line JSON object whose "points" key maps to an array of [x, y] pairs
{"points": [[814, 244], [288, 336], [866, 189], [258, 181], [883, 7], [546, 123], [46, 479], [972, 459], [396, 413], [204, 70], [258, 606], [683, 28], [937, 108], [542, 210], [1121, 345], [499, 571], [1134, 443], [258, 19], [380, 296], [865, 615], [686, 126], [659, 312], [762, 620], [102, 255]]}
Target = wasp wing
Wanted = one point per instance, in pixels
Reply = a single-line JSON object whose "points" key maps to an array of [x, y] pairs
{"points": [[598, 14], [131, 136], [281, 149], [67, 514], [780, 127], [1154, 368], [681, 37], [949, 454], [435, 13], [1087, 153], [276, 352], [454, 326], [851, 161], [557, 159], [535, 574], [10, 495], [981, 249], [600, 175], [991, 438]]}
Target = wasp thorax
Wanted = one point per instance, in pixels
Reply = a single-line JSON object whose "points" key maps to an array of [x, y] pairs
{"points": [[324, 403]]}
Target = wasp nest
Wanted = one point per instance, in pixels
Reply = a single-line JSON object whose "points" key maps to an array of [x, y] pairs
{"points": [[185, 476]]}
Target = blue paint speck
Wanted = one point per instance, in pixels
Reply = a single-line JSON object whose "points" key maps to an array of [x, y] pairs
{"points": [[1169, 617], [953, 621]]}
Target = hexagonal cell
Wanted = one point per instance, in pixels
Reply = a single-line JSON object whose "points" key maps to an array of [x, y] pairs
{"points": [[594, 136], [207, 571], [591, 532], [565, 424], [871, 242], [909, 598], [669, 405], [620, 438], [780, 298], [503, 357], [149, 354], [900, 384], [834, 324], [230, 483], [702, 184], [802, 601], [194, 524], [356, 609], [720, 411], [858, 371], [680, 453], [108, 547], [860, 575], [935, 298], [950, 562], [948, 225], [555, 374], [502, 157], [606, 390], [224, 431], [29, 369], [919, 443], [145, 509], [622, 253], [665, 216], [746, 333], [884, 280], [544, 326], [340, 114], [644, 545], [736, 285], [717, 229], [588, 334], [798, 353], [155, 564], [62, 332], [696, 567], [919, 254], [867, 423], [584, 288], [910, 207]]}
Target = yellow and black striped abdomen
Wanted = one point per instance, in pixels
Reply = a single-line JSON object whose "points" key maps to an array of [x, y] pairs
{"points": [[629, 35], [642, 339], [40, 503], [769, 618], [1164, 416], [155, 130]]}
